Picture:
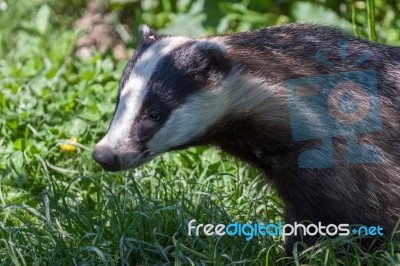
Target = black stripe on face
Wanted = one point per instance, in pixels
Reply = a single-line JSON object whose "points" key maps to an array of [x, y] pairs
{"points": [[183, 72]]}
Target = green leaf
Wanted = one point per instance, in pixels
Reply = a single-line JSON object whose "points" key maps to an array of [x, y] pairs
{"points": [[190, 23], [315, 13], [42, 19]]}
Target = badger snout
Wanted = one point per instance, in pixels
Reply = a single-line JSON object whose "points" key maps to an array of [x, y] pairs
{"points": [[105, 156]]}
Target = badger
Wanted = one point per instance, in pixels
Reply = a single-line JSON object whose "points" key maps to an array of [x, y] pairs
{"points": [[315, 109]]}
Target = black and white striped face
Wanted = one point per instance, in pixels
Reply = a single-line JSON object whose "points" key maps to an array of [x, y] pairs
{"points": [[168, 96]]}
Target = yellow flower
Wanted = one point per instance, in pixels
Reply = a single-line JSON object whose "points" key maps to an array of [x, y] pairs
{"points": [[69, 147]]}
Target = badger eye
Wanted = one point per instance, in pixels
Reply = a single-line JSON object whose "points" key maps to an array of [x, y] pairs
{"points": [[155, 116]]}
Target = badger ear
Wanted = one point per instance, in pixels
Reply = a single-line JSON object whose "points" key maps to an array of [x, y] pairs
{"points": [[146, 35], [211, 50], [210, 60]]}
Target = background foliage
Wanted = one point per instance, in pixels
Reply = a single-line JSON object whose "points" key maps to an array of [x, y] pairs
{"points": [[58, 207]]}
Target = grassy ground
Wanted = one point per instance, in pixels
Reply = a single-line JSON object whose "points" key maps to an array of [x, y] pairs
{"points": [[57, 207]]}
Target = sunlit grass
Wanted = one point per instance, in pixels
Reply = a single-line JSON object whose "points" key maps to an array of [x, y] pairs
{"points": [[141, 216]]}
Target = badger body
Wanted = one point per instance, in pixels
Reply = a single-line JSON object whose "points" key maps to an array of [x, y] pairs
{"points": [[230, 91]]}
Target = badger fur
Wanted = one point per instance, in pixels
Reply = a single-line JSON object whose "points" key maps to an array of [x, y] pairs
{"points": [[230, 91]]}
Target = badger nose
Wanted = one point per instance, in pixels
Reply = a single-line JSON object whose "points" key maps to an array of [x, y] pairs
{"points": [[106, 158]]}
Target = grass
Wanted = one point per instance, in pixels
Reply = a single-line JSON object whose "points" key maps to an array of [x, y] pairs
{"points": [[58, 207]]}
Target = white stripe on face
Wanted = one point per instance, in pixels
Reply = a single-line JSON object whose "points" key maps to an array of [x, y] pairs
{"points": [[133, 93], [192, 119]]}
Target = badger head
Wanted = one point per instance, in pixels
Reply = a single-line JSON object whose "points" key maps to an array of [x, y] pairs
{"points": [[168, 98]]}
